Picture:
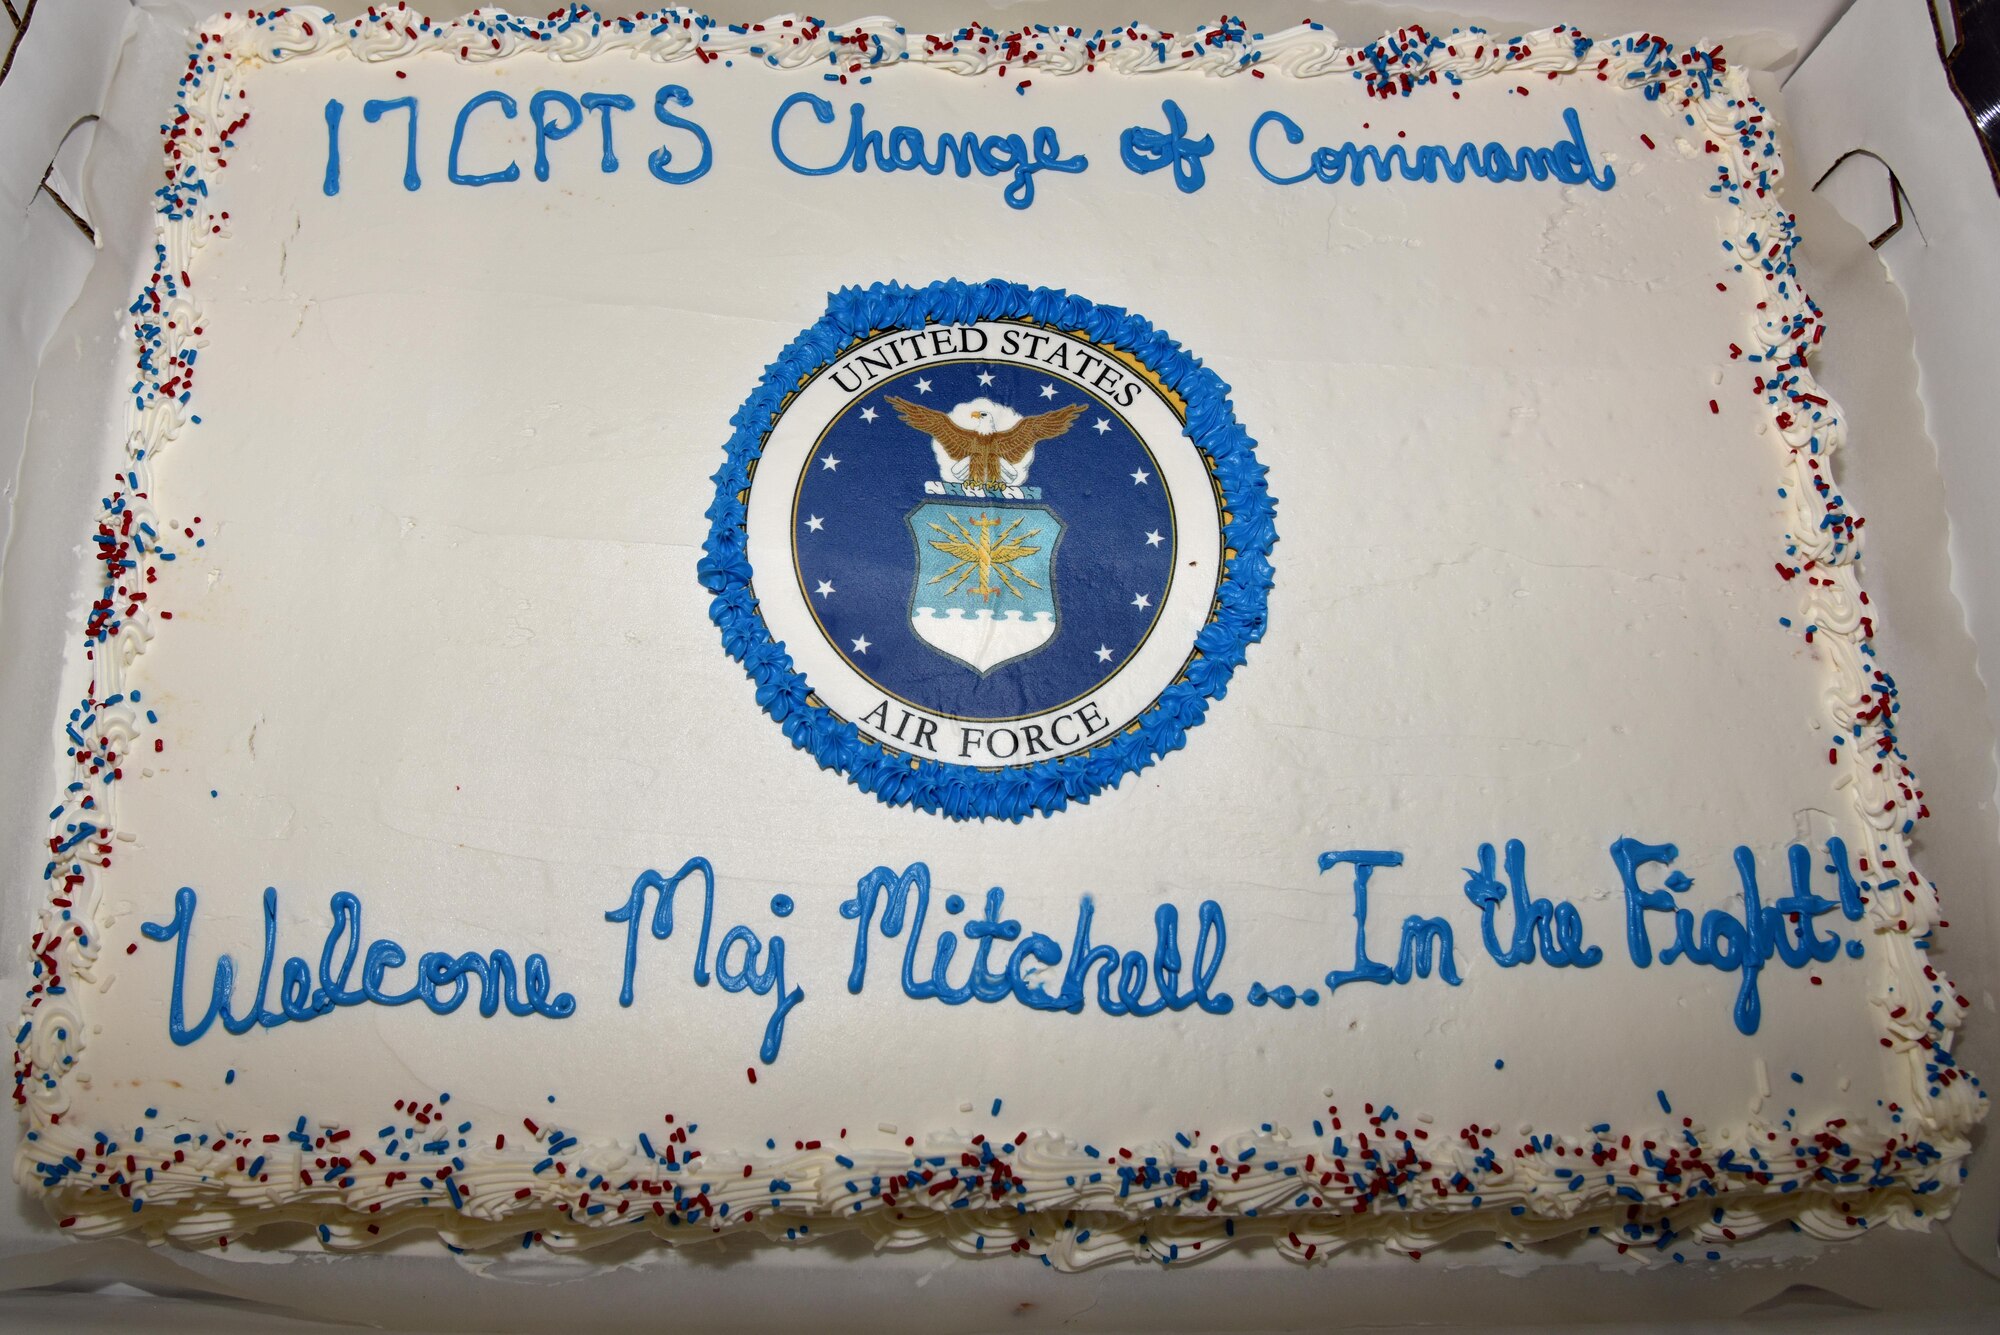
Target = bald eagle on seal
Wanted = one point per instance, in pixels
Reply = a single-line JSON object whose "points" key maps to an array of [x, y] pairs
{"points": [[985, 444]]}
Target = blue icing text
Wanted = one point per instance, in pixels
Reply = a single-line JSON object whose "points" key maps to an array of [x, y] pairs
{"points": [[1568, 160], [443, 980], [375, 108], [604, 104], [1146, 151], [331, 182], [752, 966], [547, 129], [896, 904], [511, 172], [904, 149], [1555, 930], [1424, 941], [1728, 942], [675, 95], [554, 115], [979, 954]]}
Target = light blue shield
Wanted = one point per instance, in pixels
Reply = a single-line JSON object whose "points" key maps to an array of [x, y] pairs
{"points": [[985, 590]]}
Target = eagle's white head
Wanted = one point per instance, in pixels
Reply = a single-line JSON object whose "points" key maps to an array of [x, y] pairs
{"points": [[984, 416]]}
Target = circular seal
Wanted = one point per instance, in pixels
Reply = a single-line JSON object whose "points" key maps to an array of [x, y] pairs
{"points": [[987, 549]]}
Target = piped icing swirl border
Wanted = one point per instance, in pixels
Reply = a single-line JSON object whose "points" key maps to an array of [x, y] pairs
{"points": [[1235, 622], [1670, 1186]]}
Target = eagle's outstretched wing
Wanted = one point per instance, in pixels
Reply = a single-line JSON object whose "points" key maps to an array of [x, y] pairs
{"points": [[954, 439], [1013, 445]]}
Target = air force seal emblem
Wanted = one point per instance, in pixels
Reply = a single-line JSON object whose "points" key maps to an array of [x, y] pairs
{"points": [[971, 536]]}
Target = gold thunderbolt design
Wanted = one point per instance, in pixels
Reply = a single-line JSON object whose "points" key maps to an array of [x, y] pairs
{"points": [[984, 556]]}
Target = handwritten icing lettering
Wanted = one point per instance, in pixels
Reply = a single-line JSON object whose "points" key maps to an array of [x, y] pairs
{"points": [[375, 108], [547, 128], [673, 95], [1147, 150], [554, 116], [907, 148], [573, 112], [1425, 942], [753, 965], [1568, 160], [953, 955], [330, 183], [511, 172], [444, 981], [1552, 930], [896, 904], [604, 104], [1737, 943]]}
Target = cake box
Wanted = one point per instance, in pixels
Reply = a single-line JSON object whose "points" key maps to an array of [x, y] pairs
{"points": [[1904, 495]]}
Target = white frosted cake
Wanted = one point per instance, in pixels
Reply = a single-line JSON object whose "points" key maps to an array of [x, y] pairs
{"points": [[1082, 643]]}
